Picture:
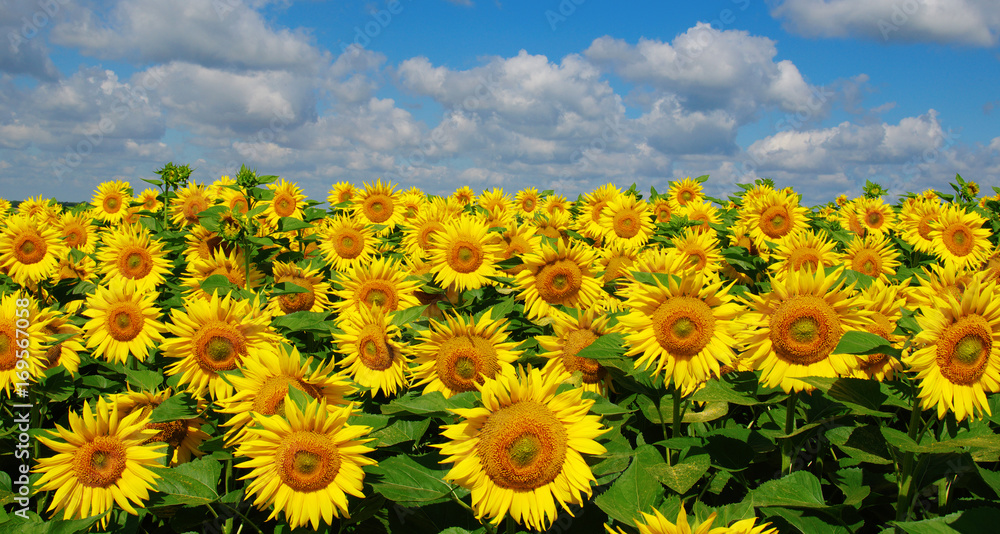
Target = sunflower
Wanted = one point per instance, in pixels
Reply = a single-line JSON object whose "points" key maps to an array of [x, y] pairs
{"points": [[231, 265], [960, 359], [412, 205], [374, 355], [939, 280], [382, 283], [558, 275], [263, 383], [616, 262], [42, 210], [495, 200], [657, 523], [626, 222], [791, 331], [588, 222], [455, 356], [122, 321], [417, 234], [961, 237], [202, 244], [557, 204], [111, 200], [463, 255], [701, 249], [519, 241], [498, 219], [182, 435], [77, 232], [100, 460], [65, 353], [873, 255], [571, 336], [773, 217], [526, 202], [522, 451], [214, 335], [886, 302], [314, 299], [234, 199], [378, 204], [662, 211], [684, 192], [149, 200], [685, 328], [702, 212], [555, 226], [13, 356], [848, 218], [346, 242], [4, 208], [915, 223], [803, 251], [131, 254], [464, 196], [875, 215], [85, 269], [305, 462], [29, 250], [341, 193], [287, 201], [189, 202]]}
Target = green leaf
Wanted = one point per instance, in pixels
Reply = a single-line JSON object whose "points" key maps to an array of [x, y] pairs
{"points": [[800, 489], [410, 483], [407, 316], [217, 283], [400, 431], [850, 481], [143, 380], [858, 342], [636, 488], [35, 525], [290, 224], [974, 521], [288, 288], [740, 390], [178, 488], [864, 443], [432, 404], [177, 406], [684, 475], [864, 397], [607, 347], [302, 321], [300, 398]]}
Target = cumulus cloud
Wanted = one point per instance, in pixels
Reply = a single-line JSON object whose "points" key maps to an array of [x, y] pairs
{"points": [[22, 51], [966, 22]]}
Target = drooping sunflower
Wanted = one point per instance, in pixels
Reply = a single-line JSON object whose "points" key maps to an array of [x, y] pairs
{"points": [[374, 354], [378, 204], [626, 222], [288, 201], [213, 335], [111, 201], [65, 353], [959, 362], [773, 217], [183, 435], [873, 255], [791, 331], [683, 193], [29, 250], [571, 336], [100, 461], [189, 202], [231, 265], [263, 382], [308, 278], [463, 255], [455, 356], [382, 283], [886, 305], [961, 237], [131, 254], [306, 462], [701, 249], [122, 322], [588, 221], [346, 242], [803, 251], [875, 215], [684, 328], [558, 275], [12, 337], [341, 193], [522, 451], [915, 223], [526, 202], [77, 232]]}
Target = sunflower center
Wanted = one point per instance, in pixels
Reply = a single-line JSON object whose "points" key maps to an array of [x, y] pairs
{"points": [[775, 222], [804, 258], [125, 321], [135, 263], [595, 213], [30, 248], [804, 330], [75, 238], [112, 204], [192, 207], [465, 368], [7, 359], [683, 326], [924, 226], [426, 231], [874, 219], [576, 341], [219, 346], [349, 243], [270, 399], [373, 350], [100, 463], [466, 256], [626, 223], [559, 282], [293, 302], [379, 293], [522, 446], [686, 196], [307, 461], [528, 204], [463, 361], [964, 350], [284, 206], [172, 432], [959, 239], [378, 208]]}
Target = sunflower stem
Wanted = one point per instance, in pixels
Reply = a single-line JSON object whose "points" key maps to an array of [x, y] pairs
{"points": [[906, 488], [787, 447]]}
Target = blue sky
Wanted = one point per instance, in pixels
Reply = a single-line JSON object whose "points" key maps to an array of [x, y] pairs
{"points": [[568, 95]]}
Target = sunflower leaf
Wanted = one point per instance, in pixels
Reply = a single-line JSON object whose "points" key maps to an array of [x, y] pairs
{"points": [[407, 316], [609, 346], [800, 489], [636, 489], [410, 483], [858, 342], [179, 406], [288, 288], [290, 224]]}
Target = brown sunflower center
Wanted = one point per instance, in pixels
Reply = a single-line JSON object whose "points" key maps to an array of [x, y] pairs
{"points": [[284, 205], [172, 432], [8, 358], [465, 256], [576, 341], [662, 213], [293, 302], [100, 463], [522, 446], [379, 293], [683, 326], [192, 207], [685, 197], [528, 204], [307, 461], [868, 262], [270, 399], [218, 346], [378, 208], [239, 203], [775, 222], [924, 226], [874, 219], [348, 243], [559, 281], [428, 229], [112, 203], [374, 350], [626, 223], [964, 349], [463, 361], [595, 212], [959, 239], [804, 330], [125, 320], [135, 263], [29, 248], [75, 237]]}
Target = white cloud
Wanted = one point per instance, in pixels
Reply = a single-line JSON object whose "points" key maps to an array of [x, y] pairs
{"points": [[967, 22]]}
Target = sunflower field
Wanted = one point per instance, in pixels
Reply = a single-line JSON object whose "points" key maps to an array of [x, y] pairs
{"points": [[236, 358]]}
